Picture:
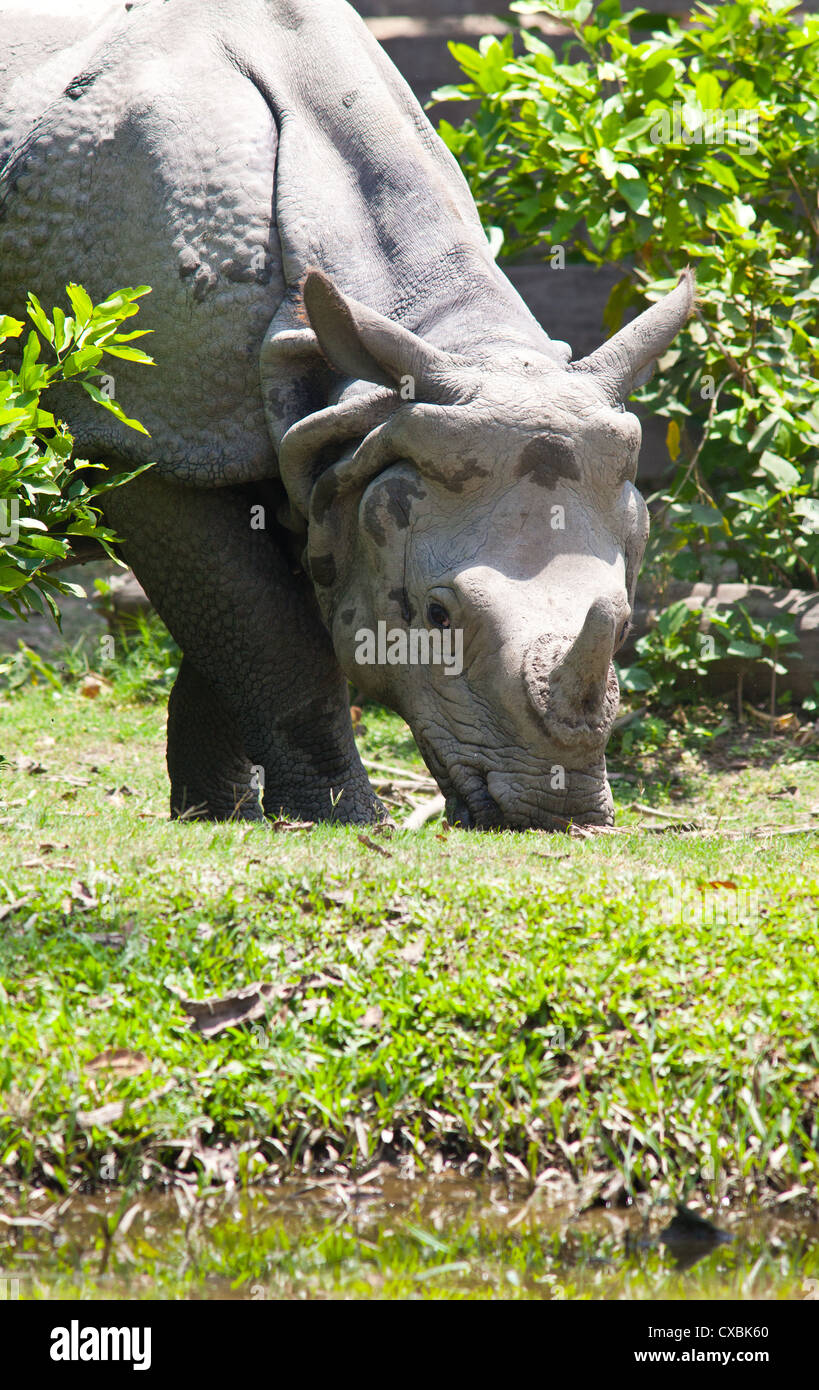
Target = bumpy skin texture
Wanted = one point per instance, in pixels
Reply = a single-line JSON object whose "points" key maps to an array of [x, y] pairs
{"points": [[336, 345]]}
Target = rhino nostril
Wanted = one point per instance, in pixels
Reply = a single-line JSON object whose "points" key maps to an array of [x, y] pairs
{"points": [[458, 813]]}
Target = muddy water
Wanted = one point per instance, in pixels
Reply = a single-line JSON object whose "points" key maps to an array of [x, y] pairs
{"points": [[390, 1237]]}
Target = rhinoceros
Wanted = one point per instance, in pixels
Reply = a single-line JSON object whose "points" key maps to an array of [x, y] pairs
{"points": [[354, 418]]}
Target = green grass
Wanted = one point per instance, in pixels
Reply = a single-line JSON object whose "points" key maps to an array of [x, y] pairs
{"points": [[529, 1008]]}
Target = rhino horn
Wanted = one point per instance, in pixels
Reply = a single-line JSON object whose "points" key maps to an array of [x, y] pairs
{"points": [[587, 661], [363, 344], [626, 360]]}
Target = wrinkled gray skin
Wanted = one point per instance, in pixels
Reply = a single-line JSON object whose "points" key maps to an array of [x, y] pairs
{"points": [[264, 168]]}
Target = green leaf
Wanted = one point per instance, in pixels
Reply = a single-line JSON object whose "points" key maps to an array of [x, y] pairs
{"points": [[635, 678], [672, 618], [81, 360], [9, 327], [705, 516], [119, 301], [635, 193], [658, 79], [49, 545], [780, 471], [632, 129], [737, 647], [81, 304], [62, 333], [709, 93], [606, 162], [39, 318], [115, 409], [136, 355]]}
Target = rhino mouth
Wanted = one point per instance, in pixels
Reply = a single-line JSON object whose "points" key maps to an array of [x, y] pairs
{"points": [[460, 813], [492, 800], [532, 808]]}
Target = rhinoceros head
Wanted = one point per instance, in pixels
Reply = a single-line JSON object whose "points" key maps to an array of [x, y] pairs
{"points": [[481, 510]]}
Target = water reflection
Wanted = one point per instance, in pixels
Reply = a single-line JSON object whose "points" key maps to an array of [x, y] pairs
{"points": [[384, 1236]]}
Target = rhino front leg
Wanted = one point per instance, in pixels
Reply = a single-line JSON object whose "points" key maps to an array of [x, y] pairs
{"points": [[259, 656], [211, 776]]}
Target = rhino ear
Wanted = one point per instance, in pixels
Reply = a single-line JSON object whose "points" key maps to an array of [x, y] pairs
{"points": [[363, 344], [627, 360]]}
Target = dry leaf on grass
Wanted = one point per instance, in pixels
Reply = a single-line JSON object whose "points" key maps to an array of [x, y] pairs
{"points": [[777, 723], [36, 863], [214, 1015], [414, 952], [103, 1115], [291, 826], [93, 685], [115, 1109], [370, 844], [80, 896], [8, 908], [661, 815], [782, 830], [311, 1007], [572, 1081], [398, 913], [341, 897], [373, 1018], [119, 1060], [683, 827], [209, 1016], [25, 1221], [29, 765]]}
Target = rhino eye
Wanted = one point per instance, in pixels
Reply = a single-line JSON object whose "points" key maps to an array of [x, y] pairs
{"points": [[437, 615], [624, 632]]}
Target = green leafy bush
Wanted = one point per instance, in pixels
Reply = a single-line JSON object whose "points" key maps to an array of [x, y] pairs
{"points": [[144, 668], [697, 146], [47, 495], [675, 655]]}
